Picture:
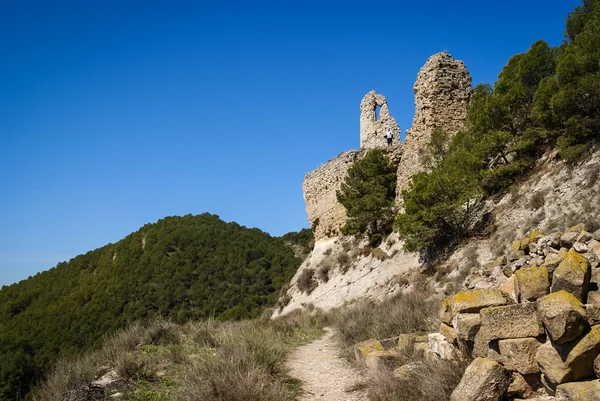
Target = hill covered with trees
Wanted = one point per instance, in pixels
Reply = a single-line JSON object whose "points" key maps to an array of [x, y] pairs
{"points": [[179, 268]]}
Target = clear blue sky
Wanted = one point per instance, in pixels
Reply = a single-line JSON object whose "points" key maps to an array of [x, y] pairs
{"points": [[114, 114]]}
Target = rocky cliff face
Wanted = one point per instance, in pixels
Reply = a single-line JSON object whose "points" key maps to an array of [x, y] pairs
{"points": [[442, 93]]}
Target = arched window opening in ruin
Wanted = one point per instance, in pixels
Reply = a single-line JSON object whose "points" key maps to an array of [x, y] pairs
{"points": [[377, 109]]}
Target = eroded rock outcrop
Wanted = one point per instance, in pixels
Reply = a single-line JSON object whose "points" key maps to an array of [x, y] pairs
{"points": [[442, 93]]}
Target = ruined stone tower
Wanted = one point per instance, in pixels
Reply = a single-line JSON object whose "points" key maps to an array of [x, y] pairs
{"points": [[442, 93], [372, 129]]}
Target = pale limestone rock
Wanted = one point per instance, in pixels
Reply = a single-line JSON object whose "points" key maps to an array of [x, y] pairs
{"points": [[512, 321], [568, 239], [509, 288], [579, 391], [563, 316], [372, 130], [518, 354], [439, 345], [484, 380], [442, 93], [572, 275], [597, 366], [467, 325]]}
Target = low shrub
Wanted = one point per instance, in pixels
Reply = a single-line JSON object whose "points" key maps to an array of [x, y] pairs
{"points": [[323, 272], [379, 254], [306, 281]]}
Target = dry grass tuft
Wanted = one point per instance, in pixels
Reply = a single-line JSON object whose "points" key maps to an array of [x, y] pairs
{"points": [[423, 381], [410, 313]]}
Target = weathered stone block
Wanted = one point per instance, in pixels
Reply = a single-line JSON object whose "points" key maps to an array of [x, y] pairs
{"points": [[532, 283], [509, 288], [551, 262], [593, 314], [470, 302], [379, 361], [518, 354], [572, 275], [467, 325], [363, 349], [563, 316], [568, 239], [597, 366], [572, 361], [449, 333], [484, 380], [512, 321], [579, 391], [524, 386]]}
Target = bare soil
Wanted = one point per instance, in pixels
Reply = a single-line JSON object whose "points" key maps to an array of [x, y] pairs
{"points": [[325, 375]]}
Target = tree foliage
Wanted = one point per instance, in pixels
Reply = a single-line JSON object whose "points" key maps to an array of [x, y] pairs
{"points": [[543, 98], [179, 268], [368, 193]]}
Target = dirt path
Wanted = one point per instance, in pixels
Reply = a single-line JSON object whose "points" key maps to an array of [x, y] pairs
{"points": [[325, 375]]}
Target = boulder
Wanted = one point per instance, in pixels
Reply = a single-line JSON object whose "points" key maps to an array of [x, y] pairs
{"points": [[596, 235], [572, 361], [449, 333], [363, 349], [484, 380], [512, 321], [563, 316], [524, 386], [576, 228], [518, 354], [406, 341], [597, 366], [509, 288], [467, 325], [551, 262], [439, 345], [532, 283], [470, 302], [584, 237], [380, 361], [568, 239], [580, 247], [579, 391], [572, 275], [593, 314]]}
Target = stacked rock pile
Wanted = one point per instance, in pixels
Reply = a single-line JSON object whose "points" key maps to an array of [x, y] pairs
{"points": [[538, 335]]}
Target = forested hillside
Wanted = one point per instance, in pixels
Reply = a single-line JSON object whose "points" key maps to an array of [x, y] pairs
{"points": [[180, 268]]}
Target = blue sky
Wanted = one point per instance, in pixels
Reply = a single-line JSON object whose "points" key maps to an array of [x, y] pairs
{"points": [[116, 114]]}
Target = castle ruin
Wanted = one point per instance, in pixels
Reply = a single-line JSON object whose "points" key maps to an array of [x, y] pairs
{"points": [[442, 92]]}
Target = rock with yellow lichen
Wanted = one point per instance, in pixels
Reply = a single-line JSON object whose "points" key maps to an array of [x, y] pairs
{"points": [[572, 275], [532, 283], [470, 302], [563, 316], [363, 349]]}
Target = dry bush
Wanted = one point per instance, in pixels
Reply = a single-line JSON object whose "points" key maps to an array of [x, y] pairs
{"points": [[306, 281], [323, 271], [346, 246], [365, 250], [379, 254], [538, 199], [404, 313], [425, 381], [328, 252], [343, 260]]}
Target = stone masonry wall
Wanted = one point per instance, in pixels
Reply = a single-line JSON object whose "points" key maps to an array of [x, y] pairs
{"points": [[372, 130], [442, 93]]}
